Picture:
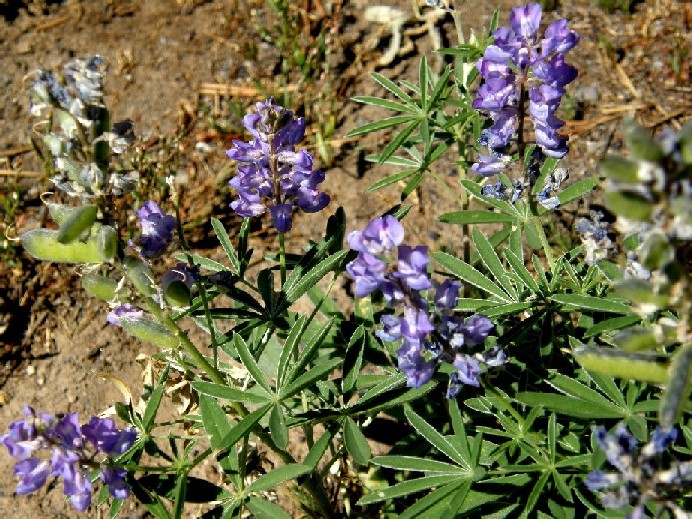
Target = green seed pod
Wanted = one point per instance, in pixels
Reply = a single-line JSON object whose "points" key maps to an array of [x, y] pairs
{"points": [[629, 205], [685, 140], [150, 331], [636, 339], [640, 143], [78, 221], [99, 286], [107, 240], [655, 251], [620, 169], [623, 364], [140, 275], [640, 292], [177, 294], [59, 212], [43, 244]]}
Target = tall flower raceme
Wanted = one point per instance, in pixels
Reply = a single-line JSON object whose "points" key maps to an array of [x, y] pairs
{"points": [[643, 475], [273, 175], [46, 446], [429, 334], [521, 67]]}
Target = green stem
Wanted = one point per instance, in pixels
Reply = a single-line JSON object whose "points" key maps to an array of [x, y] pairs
{"points": [[282, 257]]}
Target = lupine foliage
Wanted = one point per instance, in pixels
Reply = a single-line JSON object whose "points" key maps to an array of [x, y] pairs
{"points": [[484, 368]]}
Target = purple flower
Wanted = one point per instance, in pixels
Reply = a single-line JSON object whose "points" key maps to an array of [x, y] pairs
{"points": [[126, 311], [380, 236], [526, 20], [411, 363], [476, 329], [468, 370], [66, 455], [114, 479], [106, 437], [412, 265], [558, 38], [368, 272], [391, 328], [517, 60], [281, 216], [273, 175], [488, 166], [157, 230], [447, 296], [32, 473], [643, 475]]}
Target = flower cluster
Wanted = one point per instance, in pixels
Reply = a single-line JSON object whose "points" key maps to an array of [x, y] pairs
{"points": [[428, 335], [72, 451], [518, 60], [642, 475], [157, 230], [82, 139], [274, 176]]}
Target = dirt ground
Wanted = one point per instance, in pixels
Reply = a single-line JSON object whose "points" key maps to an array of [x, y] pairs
{"points": [[162, 56]]}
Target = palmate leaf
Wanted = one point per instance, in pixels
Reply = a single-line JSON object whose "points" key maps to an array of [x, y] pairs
{"points": [[475, 217], [228, 393], [404, 489], [467, 273], [385, 103], [492, 262], [391, 179], [226, 243], [430, 467], [250, 363], [581, 302], [355, 441], [437, 440], [376, 126], [441, 497], [263, 509], [391, 86], [277, 476]]}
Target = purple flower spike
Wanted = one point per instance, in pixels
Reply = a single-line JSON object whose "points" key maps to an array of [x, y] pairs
{"points": [[114, 479], [157, 230], [272, 174], [516, 63]]}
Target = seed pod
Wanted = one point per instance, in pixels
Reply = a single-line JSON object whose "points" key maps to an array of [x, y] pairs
{"points": [[140, 275], [43, 244], [619, 169], [629, 205], [147, 330], [642, 146], [78, 221], [59, 212], [177, 294], [107, 240], [100, 287]]}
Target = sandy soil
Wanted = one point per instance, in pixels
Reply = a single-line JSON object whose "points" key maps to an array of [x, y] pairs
{"points": [[161, 55]]}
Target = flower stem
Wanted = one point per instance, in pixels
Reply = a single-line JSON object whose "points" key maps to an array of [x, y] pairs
{"points": [[282, 257]]}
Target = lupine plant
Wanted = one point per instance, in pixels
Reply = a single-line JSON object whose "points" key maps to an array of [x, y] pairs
{"points": [[494, 374]]}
